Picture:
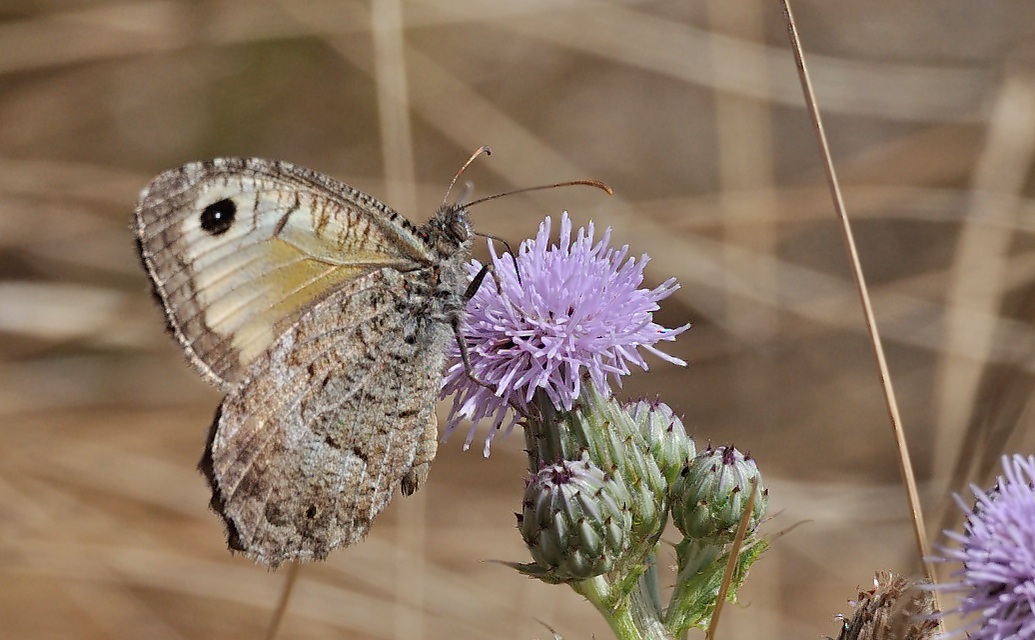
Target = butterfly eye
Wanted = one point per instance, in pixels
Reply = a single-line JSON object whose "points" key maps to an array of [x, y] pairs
{"points": [[218, 217], [459, 229]]}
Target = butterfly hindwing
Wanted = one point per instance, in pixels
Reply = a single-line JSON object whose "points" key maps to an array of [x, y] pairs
{"points": [[330, 420]]}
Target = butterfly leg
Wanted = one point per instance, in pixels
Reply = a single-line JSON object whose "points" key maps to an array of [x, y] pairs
{"points": [[465, 356], [476, 281]]}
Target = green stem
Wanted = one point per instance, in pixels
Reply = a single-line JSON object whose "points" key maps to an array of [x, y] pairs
{"points": [[649, 581], [701, 569], [634, 617], [696, 585]]}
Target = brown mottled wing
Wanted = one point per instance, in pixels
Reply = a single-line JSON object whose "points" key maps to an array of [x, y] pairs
{"points": [[334, 416], [296, 235]]}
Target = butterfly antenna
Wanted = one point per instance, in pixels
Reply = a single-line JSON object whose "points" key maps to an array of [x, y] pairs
{"points": [[482, 149], [589, 183]]}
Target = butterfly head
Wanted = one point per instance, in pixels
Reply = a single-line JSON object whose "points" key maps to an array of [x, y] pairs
{"points": [[448, 233]]}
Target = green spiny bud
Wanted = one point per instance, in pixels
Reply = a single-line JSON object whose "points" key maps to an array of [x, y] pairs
{"points": [[665, 436], [575, 521], [709, 496], [616, 443], [616, 440]]}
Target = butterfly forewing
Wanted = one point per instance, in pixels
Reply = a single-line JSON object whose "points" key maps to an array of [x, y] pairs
{"points": [[236, 247]]}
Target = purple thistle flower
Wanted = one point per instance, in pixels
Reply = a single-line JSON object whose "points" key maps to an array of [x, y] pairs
{"points": [[997, 550], [576, 311]]}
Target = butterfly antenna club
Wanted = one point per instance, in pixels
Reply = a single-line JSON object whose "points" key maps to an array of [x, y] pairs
{"points": [[482, 149]]}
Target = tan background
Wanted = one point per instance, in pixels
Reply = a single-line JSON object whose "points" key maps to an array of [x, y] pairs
{"points": [[690, 110]]}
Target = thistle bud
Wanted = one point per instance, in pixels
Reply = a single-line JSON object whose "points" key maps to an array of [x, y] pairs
{"points": [[615, 440], [575, 521], [709, 496], [665, 435], [602, 429]]}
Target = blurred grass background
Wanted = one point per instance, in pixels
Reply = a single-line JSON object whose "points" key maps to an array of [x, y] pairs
{"points": [[690, 110]]}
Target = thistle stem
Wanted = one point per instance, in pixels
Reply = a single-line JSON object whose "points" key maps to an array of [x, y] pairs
{"points": [[633, 617], [648, 582]]}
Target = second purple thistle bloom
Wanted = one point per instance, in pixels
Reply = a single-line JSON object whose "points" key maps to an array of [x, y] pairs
{"points": [[996, 582], [578, 312]]}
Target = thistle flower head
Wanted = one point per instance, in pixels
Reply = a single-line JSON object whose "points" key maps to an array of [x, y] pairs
{"points": [[711, 493], [997, 550], [576, 310], [664, 433], [575, 521]]}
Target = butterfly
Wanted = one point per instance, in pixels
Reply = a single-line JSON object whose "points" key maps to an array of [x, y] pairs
{"points": [[325, 316]]}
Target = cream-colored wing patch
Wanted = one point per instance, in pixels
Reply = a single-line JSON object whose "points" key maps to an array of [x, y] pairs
{"points": [[238, 249]]}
